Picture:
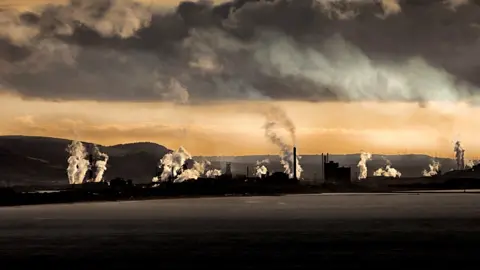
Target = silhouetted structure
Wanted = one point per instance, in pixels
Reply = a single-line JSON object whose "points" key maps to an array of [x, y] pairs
{"points": [[332, 172], [295, 163], [120, 184], [6, 191], [277, 178], [228, 169]]}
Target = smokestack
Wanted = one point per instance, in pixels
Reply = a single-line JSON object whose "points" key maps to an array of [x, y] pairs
{"points": [[295, 163], [327, 158], [248, 171], [323, 166], [228, 169]]}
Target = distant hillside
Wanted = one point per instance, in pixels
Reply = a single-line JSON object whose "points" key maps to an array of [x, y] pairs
{"points": [[37, 160], [134, 148]]}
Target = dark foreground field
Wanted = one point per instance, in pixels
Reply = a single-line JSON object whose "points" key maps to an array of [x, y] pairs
{"points": [[390, 231]]}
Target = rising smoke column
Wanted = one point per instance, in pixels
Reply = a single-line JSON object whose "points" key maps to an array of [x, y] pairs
{"points": [[389, 171], [469, 163], [459, 155], [77, 162], [261, 168], [188, 174], [206, 169], [362, 165], [193, 173], [212, 173], [173, 165], [198, 169], [100, 164], [434, 169], [276, 117]]}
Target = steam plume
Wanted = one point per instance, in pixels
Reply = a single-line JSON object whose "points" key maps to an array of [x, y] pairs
{"points": [[188, 174], [179, 166], [388, 171], [77, 162], [459, 155], [213, 173], [434, 169], [276, 117], [100, 164], [469, 163], [260, 168], [171, 163], [362, 164]]}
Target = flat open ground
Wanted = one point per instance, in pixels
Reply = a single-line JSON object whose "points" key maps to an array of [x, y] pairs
{"points": [[291, 231]]}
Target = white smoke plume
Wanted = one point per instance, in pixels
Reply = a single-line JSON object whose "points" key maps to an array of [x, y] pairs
{"points": [[205, 168], [261, 168], [286, 153], [212, 173], [83, 169], [459, 155], [173, 168], [100, 164], [434, 169], [469, 163], [198, 169], [188, 174], [276, 117], [388, 171], [171, 163], [362, 165], [77, 162]]}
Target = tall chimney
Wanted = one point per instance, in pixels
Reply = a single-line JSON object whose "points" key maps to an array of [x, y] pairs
{"points": [[248, 171], [295, 163], [323, 166]]}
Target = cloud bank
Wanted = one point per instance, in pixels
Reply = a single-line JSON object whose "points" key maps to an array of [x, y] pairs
{"points": [[309, 50]]}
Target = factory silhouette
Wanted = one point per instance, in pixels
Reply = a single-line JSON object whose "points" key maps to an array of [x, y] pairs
{"points": [[331, 175], [333, 178]]}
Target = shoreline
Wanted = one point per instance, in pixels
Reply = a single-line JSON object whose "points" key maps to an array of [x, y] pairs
{"points": [[108, 194]]}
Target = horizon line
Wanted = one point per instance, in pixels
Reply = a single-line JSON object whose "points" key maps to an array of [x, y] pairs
{"points": [[232, 155]]}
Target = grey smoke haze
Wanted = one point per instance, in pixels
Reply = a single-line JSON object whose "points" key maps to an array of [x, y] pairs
{"points": [[271, 50]]}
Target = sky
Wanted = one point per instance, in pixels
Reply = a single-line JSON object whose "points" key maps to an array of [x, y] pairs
{"points": [[387, 78]]}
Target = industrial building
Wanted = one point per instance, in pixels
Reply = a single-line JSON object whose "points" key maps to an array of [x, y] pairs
{"points": [[334, 173]]}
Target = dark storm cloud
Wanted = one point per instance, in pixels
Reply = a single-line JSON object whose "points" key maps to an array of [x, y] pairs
{"points": [[291, 50]]}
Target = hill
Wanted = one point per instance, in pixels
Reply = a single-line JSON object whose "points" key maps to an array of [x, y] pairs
{"points": [[28, 160]]}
